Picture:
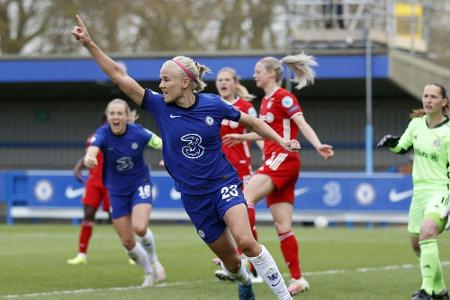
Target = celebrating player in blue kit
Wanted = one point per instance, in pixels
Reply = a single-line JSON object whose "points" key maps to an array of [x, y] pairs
{"points": [[127, 177], [210, 187]]}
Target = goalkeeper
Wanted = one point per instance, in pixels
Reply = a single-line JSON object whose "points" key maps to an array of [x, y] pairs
{"points": [[428, 134]]}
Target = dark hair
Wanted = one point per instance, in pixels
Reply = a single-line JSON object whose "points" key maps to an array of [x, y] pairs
{"points": [[417, 113], [442, 88]]}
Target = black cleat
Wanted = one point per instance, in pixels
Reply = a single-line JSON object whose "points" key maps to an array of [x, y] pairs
{"points": [[421, 295], [443, 295]]}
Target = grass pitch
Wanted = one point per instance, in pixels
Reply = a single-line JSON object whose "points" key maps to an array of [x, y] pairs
{"points": [[340, 263]]}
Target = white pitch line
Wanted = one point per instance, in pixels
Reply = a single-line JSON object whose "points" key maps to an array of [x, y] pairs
{"points": [[163, 285]]}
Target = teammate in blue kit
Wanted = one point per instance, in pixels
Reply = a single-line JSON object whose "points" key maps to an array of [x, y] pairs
{"points": [[127, 177], [210, 188]]}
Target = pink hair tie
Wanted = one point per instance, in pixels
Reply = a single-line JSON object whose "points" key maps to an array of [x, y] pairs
{"points": [[185, 70]]}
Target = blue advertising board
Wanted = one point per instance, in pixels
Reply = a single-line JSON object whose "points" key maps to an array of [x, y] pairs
{"points": [[314, 192]]}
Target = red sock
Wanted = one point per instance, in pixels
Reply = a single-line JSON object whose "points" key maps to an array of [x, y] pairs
{"points": [[85, 236], [252, 219], [289, 247]]}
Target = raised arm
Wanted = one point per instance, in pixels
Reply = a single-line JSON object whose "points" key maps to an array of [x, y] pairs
{"points": [[326, 151], [90, 159], [261, 129], [111, 68]]}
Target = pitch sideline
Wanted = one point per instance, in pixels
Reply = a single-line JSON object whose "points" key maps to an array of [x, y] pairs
{"points": [[163, 285]]}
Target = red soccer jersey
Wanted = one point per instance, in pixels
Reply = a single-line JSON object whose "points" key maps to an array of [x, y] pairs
{"points": [[277, 111], [96, 173], [239, 154]]}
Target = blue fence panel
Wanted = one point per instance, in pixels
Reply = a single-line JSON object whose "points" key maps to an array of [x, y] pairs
{"points": [[314, 192]]}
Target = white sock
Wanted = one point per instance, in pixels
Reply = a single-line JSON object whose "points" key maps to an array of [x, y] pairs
{"points": [[148, 242], [139, 255], [241, 275], [266, 267]]}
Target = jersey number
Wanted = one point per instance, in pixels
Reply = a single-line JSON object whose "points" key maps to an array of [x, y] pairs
{"points": [[229, 192], [145, 191], [193, 149]]}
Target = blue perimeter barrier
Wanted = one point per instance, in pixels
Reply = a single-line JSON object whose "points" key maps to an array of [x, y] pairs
{"points": [[340, 197]]}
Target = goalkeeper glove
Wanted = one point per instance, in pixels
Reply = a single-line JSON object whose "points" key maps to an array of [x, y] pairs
{"points": [[389, 141]]}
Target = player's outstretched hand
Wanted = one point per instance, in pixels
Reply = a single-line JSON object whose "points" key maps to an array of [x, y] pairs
{"points": [[80, 32], [90, 162], [326, 151], [290, 145], [388, 141], [232, 139]]}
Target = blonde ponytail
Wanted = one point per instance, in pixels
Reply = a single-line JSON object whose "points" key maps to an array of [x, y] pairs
{"points": [[301, 65]]}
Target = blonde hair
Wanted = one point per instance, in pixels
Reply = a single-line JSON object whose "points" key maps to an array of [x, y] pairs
{"points": [[420, 112], [301, 64], [241, 91], [197, 71], [131, 114]]}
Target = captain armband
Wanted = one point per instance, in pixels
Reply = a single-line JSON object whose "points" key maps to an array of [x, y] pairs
{"points": [[155, 142]]}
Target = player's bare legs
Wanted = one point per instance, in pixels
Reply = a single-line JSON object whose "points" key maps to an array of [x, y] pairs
{"points": [[140, 219], [135, 251], [236, 219]]}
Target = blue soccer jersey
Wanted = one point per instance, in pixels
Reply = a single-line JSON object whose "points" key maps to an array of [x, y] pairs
{"points": [[124, 166], [192, 144]]}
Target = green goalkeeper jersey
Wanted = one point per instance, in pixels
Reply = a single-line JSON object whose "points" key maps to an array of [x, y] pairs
{"points": [[431, 167]]}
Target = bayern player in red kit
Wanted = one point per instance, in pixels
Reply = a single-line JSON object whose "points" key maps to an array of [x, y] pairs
{"points": [[95, 194], [277, 177]]}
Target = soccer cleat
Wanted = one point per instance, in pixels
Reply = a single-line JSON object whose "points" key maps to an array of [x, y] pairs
{"points": [[148, 281], [421, 295], [298, 286], [443, 295], [80, 259], [158, 270], [255, 279], [246, 292], [221, 274]]}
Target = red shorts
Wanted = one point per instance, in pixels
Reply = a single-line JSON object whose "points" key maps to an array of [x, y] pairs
{"points": [[284, 170], [94, 194]]}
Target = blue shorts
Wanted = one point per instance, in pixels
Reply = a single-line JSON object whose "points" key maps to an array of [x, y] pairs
{"points": [[122, 205], [207, 211]]}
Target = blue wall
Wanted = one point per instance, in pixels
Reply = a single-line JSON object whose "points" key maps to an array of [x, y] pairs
{"points": [[147, 69]]}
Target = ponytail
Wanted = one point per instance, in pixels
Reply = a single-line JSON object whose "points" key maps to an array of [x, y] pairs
{"points": [[301, 65]]}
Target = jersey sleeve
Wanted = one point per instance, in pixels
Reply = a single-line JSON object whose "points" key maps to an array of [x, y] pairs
{"points": [[229, 112], [406, 140], [291, 106], [152, 101], [251, 111], [98, 138]]}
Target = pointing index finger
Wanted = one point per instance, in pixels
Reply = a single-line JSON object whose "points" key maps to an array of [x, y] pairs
{"points": [[80, 22]]}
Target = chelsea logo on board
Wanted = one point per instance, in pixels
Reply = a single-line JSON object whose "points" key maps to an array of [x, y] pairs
{"points": [[209, 120]]}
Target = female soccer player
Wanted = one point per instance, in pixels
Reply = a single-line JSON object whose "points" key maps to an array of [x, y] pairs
{"points": [[127, 178], [210, 187], [276, 178], [428, 134]]}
